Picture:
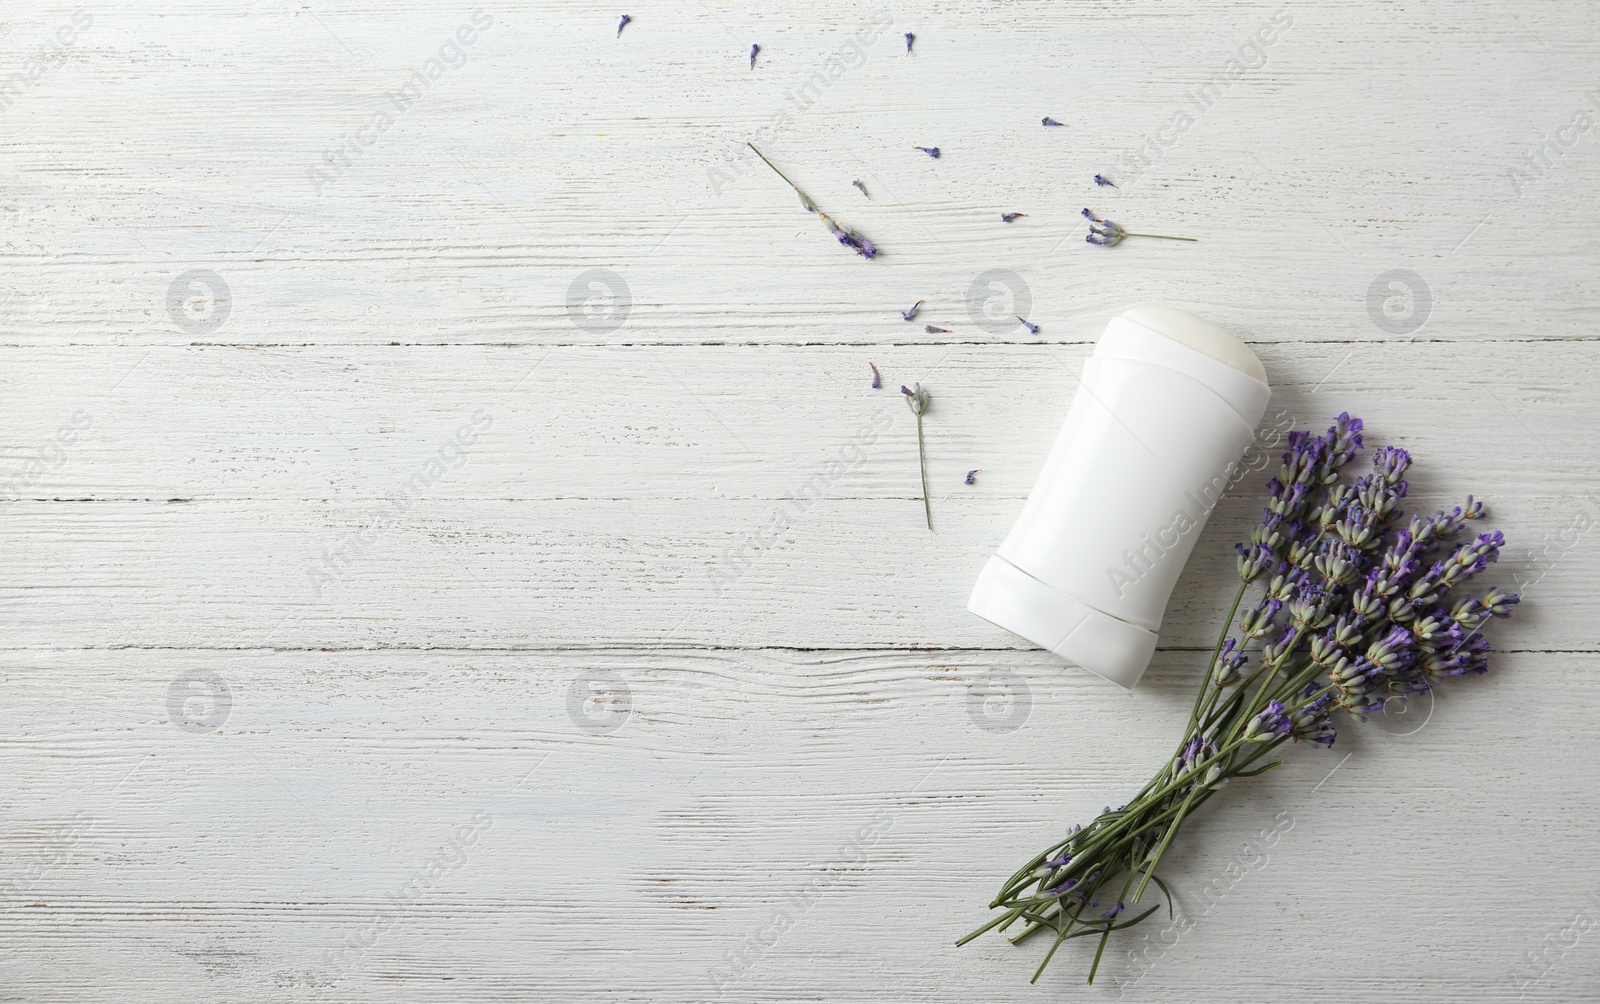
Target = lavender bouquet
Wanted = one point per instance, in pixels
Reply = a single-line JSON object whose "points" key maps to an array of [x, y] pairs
{"points": [[1359, 605]]}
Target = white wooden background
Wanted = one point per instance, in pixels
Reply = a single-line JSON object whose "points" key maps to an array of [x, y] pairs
{"points": [[400, 625]]}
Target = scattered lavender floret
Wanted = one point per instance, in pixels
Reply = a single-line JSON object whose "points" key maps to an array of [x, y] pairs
{"points": [[863, 188], [1103, 181], [1008, 217], [1033, 329], [972, 475], [908, 314], [909, 39], [623, 24], [753, 50], [877, 380], [930, 329], [931, 151], [1047, 120]]}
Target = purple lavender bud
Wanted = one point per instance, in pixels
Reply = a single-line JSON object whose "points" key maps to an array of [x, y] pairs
{"points": [[930, 329], [1103, 181], [1047, 120], [1253, 560], [931, 151], [910, 37], [622, 24], [1008, 217], [1269, 724], [1111, 913], [863, 188], [1311, 722], [1102, 233], [877, 380], [1499, 604], [972, 475], [753, 50], [1033, 329], [1391, 463], [1225, 670], [912, 311]]}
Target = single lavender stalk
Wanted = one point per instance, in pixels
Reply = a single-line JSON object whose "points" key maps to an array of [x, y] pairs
{"points": [[849, 238], [1104, 233], [917, 401]]}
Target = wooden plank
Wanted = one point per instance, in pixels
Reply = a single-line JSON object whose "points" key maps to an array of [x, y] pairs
{"points": [[345, 778]]}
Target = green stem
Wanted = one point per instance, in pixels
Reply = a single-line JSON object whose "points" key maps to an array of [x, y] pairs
{"points": [[804, 197], [1205, 683], [1163, 237], [922, 456], [1094, 967]]}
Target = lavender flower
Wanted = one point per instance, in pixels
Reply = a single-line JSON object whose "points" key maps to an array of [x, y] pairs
{"points": [[1269, 724], [911, 312], [852, 240], [1008, 217], [1230, 659], [909, 39], [1047, 120], [623, 24], [1103, 181], [863, 188], [753, 50], [1104, 233], [931, 151], [930, 329], [877, 380], [847, 237], [1311, 722], [1033, 329], [972, 475]]}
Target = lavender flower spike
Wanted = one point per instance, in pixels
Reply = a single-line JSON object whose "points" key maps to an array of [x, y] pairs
{"points": [[849, 238], [931, 151], [623, 24]]}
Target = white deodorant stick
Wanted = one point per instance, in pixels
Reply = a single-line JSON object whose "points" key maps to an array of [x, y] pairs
{"points": [[1167, 405]]}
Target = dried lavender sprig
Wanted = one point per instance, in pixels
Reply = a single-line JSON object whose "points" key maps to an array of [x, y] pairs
{"points": [[917, 401], [1104, 233], [849, 238], [623, 24]]}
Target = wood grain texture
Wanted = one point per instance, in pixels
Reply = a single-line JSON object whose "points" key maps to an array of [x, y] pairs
{"points": [[397, 608]]}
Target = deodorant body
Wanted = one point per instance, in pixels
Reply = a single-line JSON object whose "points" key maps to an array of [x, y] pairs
{"points": [[1166, 407]]}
